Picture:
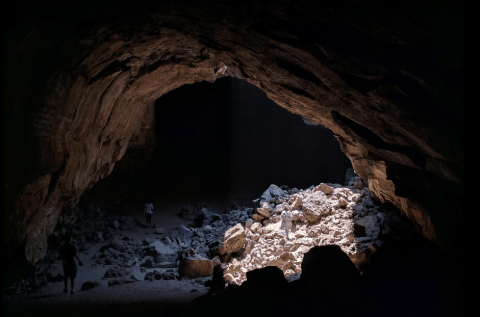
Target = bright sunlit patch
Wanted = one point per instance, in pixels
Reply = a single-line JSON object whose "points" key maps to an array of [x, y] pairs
{"points": [[327, 214]]}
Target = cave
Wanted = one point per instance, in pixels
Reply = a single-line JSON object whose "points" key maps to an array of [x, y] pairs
{"points": [[222, 143], [93, 98]]}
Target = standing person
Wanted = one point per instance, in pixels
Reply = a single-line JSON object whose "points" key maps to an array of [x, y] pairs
{"points": [[68, 252], [286, 220], [148, 213]]}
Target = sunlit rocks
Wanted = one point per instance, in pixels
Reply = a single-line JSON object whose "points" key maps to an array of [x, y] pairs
{"points": [[235, 239]]}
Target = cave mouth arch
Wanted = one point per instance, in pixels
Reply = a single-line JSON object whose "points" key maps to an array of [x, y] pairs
{"points": [[224, 142]]}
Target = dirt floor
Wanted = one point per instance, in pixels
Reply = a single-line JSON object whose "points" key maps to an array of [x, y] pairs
{"points": [[158, 297]]}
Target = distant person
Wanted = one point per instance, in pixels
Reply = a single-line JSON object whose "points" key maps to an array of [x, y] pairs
{"points": [[68, 252], [148, 213], [286, 220]]}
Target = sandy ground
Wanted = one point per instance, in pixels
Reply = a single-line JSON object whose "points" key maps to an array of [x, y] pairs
{"points": [[117, 300]]}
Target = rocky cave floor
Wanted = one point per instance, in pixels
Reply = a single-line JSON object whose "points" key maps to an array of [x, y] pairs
{"points": [[127, 264]]}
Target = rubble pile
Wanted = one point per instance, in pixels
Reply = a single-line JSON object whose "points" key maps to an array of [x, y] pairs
{"points": [[347, 216]]}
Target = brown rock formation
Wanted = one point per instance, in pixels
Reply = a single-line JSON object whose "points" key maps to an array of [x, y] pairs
{"points": [[82, 84]]}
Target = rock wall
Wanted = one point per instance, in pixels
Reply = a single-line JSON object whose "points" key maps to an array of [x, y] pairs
{"points": [[83, 83]]}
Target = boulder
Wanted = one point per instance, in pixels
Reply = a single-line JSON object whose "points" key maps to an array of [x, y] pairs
{"points": [[257, 217], [89, 285], [315, 206], [297, 202], [196, 266], [342, 203], [147, 262], [255, 227], [248, 223], [269, 279], [234, 240], [327, 190], [263, 212], [160, 252], [328, 267]]}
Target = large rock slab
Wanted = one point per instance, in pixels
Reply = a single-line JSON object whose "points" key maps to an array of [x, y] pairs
{"points": [[263, 212], [197, 266], [315, 206], [160, 252], [234, 240]]}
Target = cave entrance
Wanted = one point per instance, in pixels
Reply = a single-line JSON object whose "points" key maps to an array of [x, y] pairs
{"points": [[227, 141]]}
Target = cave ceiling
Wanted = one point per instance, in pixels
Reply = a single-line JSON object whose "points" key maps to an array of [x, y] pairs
{"points": [[81, 81]]}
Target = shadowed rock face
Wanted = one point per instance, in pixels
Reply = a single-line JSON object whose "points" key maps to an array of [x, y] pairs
{"points": [[82, 81]]}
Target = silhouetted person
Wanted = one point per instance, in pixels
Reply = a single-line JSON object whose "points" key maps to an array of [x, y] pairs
{"points": [[68, 252], [218, 281], [148, 213]]}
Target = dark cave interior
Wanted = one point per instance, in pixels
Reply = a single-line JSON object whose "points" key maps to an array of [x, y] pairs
{"points": [[225, 142]]}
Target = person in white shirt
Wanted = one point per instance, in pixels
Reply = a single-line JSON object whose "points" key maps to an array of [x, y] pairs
{"points": [[148, 213], [286, 220]]}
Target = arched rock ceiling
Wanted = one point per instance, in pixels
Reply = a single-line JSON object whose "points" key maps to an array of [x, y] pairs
{"points": [[83, 85]]}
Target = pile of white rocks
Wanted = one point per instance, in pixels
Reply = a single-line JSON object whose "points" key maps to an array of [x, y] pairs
{"points": [[326, 214]]}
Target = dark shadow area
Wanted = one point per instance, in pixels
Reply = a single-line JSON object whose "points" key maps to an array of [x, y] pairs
{"points": [[404, 279], [226, 141]]}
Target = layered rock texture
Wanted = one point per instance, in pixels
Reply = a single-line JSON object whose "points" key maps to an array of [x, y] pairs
{"points": [[386, 78]]}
